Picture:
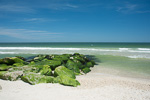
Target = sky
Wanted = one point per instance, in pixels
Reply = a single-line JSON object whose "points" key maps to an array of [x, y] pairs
{"points": [[74, 20]]}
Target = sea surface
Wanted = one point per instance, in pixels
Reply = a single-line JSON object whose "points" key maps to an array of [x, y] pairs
{"points": [[130, 59]]}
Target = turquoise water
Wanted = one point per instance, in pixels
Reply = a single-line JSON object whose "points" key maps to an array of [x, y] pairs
{"points": [[128, 58]]}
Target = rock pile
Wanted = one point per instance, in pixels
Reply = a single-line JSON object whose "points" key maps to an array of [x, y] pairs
{"points": [[46, 68]]}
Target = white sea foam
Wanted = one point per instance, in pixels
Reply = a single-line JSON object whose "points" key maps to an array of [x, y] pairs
{"points": [[48, 48], [138, 56], [36, 48], [8, 53], [139, 51], [128, 52], [144, 49], [124, 49]]}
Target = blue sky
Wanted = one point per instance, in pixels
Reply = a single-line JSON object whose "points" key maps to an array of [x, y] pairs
{"points": [[74, 21]]}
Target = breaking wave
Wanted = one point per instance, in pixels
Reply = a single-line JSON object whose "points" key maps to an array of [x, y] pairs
{"points": [[128, 52]]}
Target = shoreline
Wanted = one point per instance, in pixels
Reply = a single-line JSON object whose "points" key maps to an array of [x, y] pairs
{"points": [[93, 87]]}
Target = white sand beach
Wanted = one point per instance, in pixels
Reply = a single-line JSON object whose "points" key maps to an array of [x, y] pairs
{"points": [[94, 86]]}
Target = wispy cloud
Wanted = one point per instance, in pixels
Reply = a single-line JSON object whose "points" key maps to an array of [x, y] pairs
{"points": [[16, 8], [28, 8], [27, 34], [39, 20], [71, 6], [60, 6], [146, 11], [127, 8]]}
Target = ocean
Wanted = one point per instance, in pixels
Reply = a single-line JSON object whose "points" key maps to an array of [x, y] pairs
{"points": [[129, 59]]}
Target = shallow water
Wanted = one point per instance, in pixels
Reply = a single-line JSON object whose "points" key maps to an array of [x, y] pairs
{"points": [[123, 66]]}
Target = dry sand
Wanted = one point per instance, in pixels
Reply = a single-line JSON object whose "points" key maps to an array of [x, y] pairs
{"points": [[94, 86]]}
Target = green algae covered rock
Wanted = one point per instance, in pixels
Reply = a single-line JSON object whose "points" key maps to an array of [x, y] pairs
{"points": [[65, 80], [46, 70], [35, 78], [2, 74], [17, 60], [25, 68], [78, 63], [22, 58], [18, 64], [72, 66], [4, 67], [63, 71], [11, 60], [86, 70], [77, 57], [12, 76], [52, 63], [56, 79], [89, 64], [39, 58], [7, 61], [65, 76]]}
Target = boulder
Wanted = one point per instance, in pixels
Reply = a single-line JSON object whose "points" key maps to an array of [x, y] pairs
{"points": [[78, 63], [65, 80], [48, 57], [76, 54], [56, 79], [63, 71], [22, 58], [39, 58], [2, 74], [12, 76], [46, 70], [89, 64], [72, 66], [17, 60], [4, 67], [86, 70], [77, 57], [67, 55], [52, 63], [25, 68], [93, 62], [7, 61], [35, 78], [61, 58], [18, 64]]}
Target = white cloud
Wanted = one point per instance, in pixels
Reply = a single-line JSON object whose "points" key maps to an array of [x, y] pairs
{"points": [[27, 34], [39, 20], [15, 8], [71, 6], [127, 8]]}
